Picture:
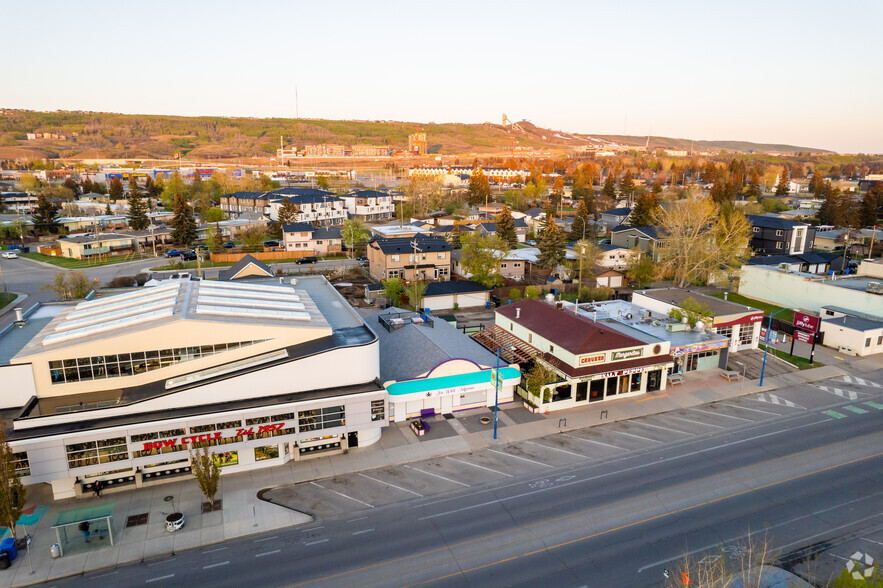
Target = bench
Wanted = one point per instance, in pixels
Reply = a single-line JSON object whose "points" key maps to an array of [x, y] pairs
{"points": [[730, 375], [674, 379]]}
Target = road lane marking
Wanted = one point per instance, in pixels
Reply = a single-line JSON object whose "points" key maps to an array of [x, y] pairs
{"points": [[117, 572], [545, 465], [751, 409], [834, 414], [436, 476], [316, 542], [267, 553], [722, 414], [558, 449], [390, 484], [564, 517], [840, 358], [215, 549], [342, 494], [773, 399], [663, 428], [701, 424], [160, 578], [265, 539], [311, 529], [652, 397], [591, 441], [480, 466], [635, 436], [871, 540], [215, 565], [363, 531], [873, 405], [848, 394], [358, 519], [855, 409], [861, 382]]}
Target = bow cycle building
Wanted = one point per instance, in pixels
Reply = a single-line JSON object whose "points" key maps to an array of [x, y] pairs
{"points": [[120, 388]]}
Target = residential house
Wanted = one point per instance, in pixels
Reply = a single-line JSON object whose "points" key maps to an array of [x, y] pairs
{"points": [[91, 245], [772, 236], [813, 263], [615, 216], [369, 205], [313, 206], [306, 238], [490, 228], [397, 230], [245, 203], [420, 257], [645, 238]]}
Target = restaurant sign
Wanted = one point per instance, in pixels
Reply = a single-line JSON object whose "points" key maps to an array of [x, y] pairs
{"points": [[806, 322], [211, 436], [590, 359], [626, 372], [626, 354]]}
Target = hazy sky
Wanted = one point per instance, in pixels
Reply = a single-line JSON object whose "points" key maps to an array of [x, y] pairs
{"points": [[804, 73]]}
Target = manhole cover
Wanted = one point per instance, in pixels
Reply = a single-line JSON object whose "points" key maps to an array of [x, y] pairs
{"points": [[138, 519], [169, 498]]}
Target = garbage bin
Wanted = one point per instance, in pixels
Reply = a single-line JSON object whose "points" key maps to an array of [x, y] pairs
{"points": [[55, 550], [4, 561], [8, 546]]}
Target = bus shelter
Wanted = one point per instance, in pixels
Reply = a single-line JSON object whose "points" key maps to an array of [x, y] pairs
{"points": [[74, 518]]}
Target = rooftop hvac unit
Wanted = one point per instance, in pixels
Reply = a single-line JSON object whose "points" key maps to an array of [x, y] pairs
{"points": [[785, 266], [675, 327], [875, 287]]}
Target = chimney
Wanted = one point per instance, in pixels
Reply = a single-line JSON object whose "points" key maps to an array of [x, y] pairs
{"points": [[517, 313]]}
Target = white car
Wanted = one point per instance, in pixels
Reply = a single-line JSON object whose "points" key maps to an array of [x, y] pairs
{"points": [[9, 255]]}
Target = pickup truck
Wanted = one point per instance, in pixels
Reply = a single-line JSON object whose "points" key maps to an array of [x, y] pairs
{"points": [[173, 253]]}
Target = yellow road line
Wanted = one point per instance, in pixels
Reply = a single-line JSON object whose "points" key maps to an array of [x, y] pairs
{"points": [[652, 397]]}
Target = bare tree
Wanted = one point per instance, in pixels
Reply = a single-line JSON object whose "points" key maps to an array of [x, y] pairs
{"points": [[742, 564]]}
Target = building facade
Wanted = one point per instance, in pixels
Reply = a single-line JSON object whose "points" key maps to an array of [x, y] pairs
{"points": [[421, 257], [777, 236], [369, 205]]}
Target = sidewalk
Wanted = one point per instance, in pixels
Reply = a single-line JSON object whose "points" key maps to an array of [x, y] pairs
{"points": [[244, 513]]}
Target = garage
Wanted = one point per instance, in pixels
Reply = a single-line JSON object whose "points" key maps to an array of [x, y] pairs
{"points": [[458, 294]]}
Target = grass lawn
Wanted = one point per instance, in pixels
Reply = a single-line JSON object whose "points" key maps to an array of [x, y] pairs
{"points": [[68, 263], [800, 362], [6, 298], [787, 315]]}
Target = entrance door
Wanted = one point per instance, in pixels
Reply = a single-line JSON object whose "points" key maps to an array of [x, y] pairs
{"points": [[624, 384], [352, 439], [447, 404], [654, 380]]}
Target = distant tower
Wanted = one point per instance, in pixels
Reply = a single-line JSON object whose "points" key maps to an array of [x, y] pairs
{"points": [[506, 121], [417, 144]]}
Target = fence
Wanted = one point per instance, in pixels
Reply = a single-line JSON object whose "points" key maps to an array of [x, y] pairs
{"points": [[262, 255]]}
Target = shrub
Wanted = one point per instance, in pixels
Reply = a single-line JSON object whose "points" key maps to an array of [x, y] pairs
{"points": [[515, 294]]}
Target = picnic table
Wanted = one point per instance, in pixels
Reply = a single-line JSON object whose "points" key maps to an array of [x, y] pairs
{"points": [[731, 375], [674, 379]]}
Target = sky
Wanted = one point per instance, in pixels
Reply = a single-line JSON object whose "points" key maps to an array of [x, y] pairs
{"points": [[800, 73]]}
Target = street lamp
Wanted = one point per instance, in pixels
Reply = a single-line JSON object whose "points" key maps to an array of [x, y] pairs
{"points": [[498, 381], [744, 367], [766, 341]]}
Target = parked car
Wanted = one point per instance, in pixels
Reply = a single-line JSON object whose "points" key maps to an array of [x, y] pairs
{"points": [[229, 245], [271, 243], [199, 248], [362, 258], [10, 255], [188, 256], [173, 253], [307, 259]]}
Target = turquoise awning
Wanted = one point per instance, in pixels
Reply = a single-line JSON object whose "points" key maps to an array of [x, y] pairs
{"points": [[427, 384]]}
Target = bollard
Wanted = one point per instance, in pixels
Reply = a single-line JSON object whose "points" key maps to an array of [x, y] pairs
{"points": [[603, 414]]}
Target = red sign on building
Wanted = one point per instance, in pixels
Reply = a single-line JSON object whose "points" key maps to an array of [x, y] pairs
{"points": [[803, 336], [806, 322]]}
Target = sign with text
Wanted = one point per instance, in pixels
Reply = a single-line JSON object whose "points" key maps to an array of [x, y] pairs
{"points": [[806, 322], [745, 320], [803, 336], [626, 354], [590, 359], [211, 436]]}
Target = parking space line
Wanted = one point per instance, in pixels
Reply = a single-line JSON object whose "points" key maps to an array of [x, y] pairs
{"points": [[751, 409], [871, 540], [855, 409], [316, 542], [362, 531], [695, 422], [480, 466], [215, 565], [436, 476], [663, 428], [722, 414], [342, 494], [264, 539], [596, 442], [635, 436], [392, 485], [161, 578], [267, 553], [558, 449], [545, 465], [215, 549]]}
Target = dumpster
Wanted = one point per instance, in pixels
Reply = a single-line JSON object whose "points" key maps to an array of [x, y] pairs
{"points": [[8, 546]]}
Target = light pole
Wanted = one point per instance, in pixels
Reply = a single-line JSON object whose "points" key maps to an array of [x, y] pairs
{"points": [[498, 381], [744, 367], [766, 341]]}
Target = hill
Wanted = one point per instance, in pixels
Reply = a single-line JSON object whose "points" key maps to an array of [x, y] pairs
{"points": [[111, 135]]}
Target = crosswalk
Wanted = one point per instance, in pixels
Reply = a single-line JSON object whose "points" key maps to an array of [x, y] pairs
{"points": [[861, 382], [773, 399], [848, 394]]}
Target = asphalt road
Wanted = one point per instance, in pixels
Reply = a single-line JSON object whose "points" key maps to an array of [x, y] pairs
{"points": [[797, 479]]}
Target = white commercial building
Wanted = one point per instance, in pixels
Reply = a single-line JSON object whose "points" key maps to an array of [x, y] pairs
{"points": [[120, 388]]}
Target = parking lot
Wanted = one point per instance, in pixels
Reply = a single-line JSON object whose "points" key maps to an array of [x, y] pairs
{"points": [[837, 398]]}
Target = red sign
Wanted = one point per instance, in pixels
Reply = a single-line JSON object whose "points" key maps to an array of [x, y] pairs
{"points": [[751, 318], [806, 322], [803, 336], [210, 437]]}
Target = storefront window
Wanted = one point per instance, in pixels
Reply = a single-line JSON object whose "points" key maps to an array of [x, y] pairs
{"points": [[226, 458], [94, 452], [266, 452], [257, 420], [21, 464], [321, 418], [582, 391], [636, 383], [377, 410], [596, 390]]}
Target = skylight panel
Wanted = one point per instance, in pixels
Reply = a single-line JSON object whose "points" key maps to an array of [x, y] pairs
{"points": [[166, 295], [248, 287], [253, 312], [228, 301], [108, 326], [129, 296], [116, 314]]}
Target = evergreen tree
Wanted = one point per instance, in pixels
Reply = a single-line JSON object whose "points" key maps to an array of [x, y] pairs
{"points": [[183, 223], [557, 194], [782, 186], [627, 186], [753, 191], [548, 216], [817, 183], [479, 190], [88, 186], [609, 189], [551, 244], [581, 187], [44, 215], [581, 228], [506, 227], [454, 239], [287, 212], [133, 184], [116, 189], [656, 190], [71, 185], [107, 209], [138, 220], [644, 212], [869, 208]]}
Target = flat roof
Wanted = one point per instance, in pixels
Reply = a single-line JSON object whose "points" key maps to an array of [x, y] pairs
{"points": [[677, 296], [855, 323]]}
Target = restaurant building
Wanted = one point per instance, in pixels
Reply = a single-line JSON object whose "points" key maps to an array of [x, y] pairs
{"points": [[591, 361], [120, 388]]}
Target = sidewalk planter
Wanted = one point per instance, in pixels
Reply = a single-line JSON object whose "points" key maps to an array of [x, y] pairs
{"points": [[418, 427], [530, 407]]}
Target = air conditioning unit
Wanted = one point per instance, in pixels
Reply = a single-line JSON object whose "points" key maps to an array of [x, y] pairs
{"points": [[875, 288], [675, 327], [785, 267]]}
